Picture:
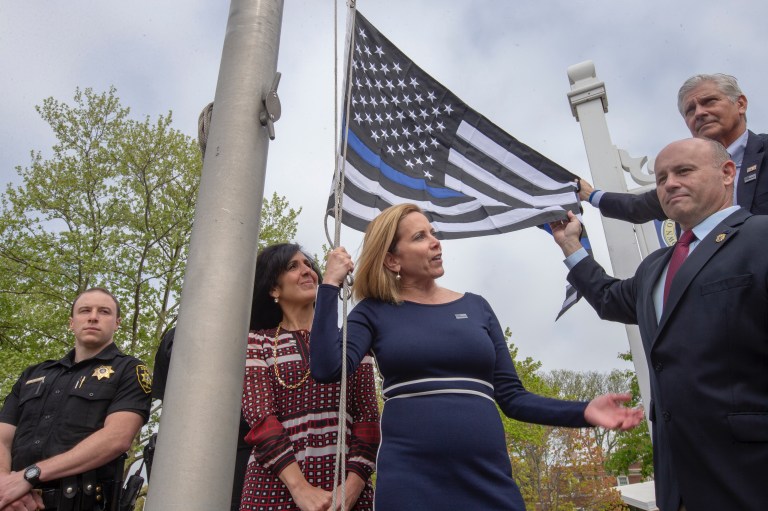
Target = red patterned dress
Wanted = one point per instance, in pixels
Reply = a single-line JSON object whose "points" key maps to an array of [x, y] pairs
{"points": [[294, 418]]}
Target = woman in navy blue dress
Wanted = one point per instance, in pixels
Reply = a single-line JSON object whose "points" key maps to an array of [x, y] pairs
{"points": [[445, 364]]}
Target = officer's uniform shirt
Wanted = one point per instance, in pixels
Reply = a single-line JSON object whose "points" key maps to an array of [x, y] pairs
{"points": [[56, 404]]}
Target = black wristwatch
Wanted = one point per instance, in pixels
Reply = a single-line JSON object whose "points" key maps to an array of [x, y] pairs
{"points": [[32, 475]]}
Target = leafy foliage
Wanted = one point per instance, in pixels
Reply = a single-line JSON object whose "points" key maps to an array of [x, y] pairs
{"points": [[559, 469], [112, 206], [632, 446], [586, 385]]}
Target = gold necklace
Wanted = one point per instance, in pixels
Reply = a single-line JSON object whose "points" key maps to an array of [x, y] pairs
{"points": [[277, 371]]}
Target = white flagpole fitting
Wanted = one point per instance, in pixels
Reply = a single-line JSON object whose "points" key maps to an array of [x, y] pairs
{"points": [[588, 88], [589, 104]]}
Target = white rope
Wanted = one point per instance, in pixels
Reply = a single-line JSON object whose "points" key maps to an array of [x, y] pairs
{"points": [[204, 127], [339, 471]]}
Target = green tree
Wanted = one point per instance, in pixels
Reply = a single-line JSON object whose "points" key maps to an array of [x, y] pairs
{"points": [[112, 205], [61, 229], [586, 385], [558, 469], [633, 446]]}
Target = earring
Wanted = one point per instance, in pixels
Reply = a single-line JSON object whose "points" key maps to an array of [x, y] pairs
{"points": [[276, 300], [397, 277]]}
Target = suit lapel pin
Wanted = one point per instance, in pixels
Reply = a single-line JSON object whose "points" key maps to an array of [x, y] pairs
{"points": [[750, 177], [720, 237], [752, 168]]}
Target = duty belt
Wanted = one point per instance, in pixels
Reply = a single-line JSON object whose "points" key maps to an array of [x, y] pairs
{"points": [[76, 493]]}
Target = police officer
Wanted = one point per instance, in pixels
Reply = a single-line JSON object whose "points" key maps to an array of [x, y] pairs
{"points": [[67, 422]]}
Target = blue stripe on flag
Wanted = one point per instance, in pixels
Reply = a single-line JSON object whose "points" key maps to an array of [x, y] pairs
{"points": [[374, 160]]}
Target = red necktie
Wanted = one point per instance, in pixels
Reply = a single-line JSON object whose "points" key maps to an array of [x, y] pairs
{"points": [[679, 253]]}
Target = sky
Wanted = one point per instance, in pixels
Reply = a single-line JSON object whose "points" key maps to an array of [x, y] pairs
{"points": [[507, 60]]}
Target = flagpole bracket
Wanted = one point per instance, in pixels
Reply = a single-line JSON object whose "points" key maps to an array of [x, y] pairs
{"points": [[272, 109], [635, 168]]}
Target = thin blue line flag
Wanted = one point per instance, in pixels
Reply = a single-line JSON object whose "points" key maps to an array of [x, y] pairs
{"points": [[410, 139]]}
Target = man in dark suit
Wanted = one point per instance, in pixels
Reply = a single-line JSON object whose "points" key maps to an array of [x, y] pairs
{"points": [[704, 333], [713, 107]]}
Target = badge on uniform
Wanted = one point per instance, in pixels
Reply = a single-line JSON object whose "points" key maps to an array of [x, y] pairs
{"points": [[103, 372], [751, 168], [720, 237], [145, 379], [750, 177]]}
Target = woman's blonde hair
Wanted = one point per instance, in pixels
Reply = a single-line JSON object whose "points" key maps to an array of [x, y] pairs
{"points": [[372, 278]]}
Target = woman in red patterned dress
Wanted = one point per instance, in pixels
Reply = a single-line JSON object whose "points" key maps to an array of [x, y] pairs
{"points": [[293, 418]]}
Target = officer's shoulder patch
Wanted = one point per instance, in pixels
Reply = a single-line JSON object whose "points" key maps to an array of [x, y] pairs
{"points": [[144, 378]]}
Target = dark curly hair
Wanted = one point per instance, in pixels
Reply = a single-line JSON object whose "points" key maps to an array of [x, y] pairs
{"points": [[270, 264]]}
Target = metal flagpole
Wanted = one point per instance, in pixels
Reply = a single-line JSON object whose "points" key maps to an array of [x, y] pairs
{"points": [[589, 103], [194, 462]]}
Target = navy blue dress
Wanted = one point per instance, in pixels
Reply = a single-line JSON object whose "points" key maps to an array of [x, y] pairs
{"points": [[445, 367]]}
